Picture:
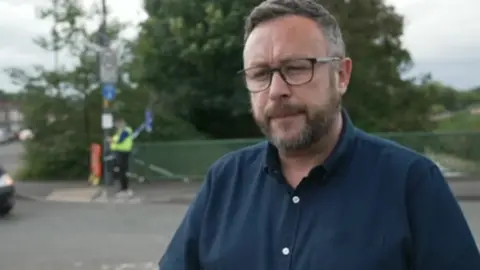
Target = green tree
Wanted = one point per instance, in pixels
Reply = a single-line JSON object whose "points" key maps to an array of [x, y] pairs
{"points": [[378, 98], [469, 98], [190, 51], [63, 105], [443, 95]]}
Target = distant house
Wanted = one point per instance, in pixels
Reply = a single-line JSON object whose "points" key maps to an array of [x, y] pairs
{"points": [[11, 118], [441, 116], [474, 109]]}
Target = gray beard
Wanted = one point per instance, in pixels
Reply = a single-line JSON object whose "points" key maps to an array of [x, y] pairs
{"points": [[314, 131], [317, 127]]}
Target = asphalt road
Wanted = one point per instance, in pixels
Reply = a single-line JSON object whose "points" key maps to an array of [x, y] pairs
{"points": [[95, 236], [78, 236]]}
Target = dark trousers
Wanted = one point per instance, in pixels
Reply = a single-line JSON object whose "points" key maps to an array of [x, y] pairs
{"points": [[121, 164]]}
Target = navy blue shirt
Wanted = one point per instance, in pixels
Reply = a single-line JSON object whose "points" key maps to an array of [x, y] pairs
{"points": [[373, 205]]}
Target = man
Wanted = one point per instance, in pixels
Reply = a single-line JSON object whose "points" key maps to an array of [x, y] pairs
{"points": [[121, 145], [320, 194]]}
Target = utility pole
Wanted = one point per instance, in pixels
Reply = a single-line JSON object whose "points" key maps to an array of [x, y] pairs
{"points": [[108, 76], [55, 36]]}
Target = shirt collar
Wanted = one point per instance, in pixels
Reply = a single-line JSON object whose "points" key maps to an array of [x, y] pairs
{"points": [[339, 155]]}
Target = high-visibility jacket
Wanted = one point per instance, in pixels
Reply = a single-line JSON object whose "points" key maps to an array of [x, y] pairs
{"points": [[124, 146]]}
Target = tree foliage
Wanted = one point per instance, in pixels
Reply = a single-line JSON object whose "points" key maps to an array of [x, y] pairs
{"points": [[63, 105], [184, 66], [448, 99], [190, 51]]}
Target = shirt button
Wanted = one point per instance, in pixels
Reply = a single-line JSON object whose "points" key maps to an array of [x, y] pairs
{"points": [[285, 251], [295, 199]]}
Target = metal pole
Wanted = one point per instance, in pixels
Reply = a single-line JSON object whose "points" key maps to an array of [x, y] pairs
{"points": [[103, 39], [55, 36]]}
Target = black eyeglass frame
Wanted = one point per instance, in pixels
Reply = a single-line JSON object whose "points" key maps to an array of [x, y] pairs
{"points": [[313, 61]]}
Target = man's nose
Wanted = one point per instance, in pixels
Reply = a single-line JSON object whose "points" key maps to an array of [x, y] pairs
{"points": [[279, 88]]}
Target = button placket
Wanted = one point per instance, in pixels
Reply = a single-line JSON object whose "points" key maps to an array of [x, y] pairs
{"points": [[290, 236], [295, 199]]}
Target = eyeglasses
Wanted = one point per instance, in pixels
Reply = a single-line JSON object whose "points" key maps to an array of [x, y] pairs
{"points": [[293, 72]]}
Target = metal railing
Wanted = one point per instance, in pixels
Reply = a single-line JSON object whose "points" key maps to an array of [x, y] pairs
{"points": [[457, 154]]}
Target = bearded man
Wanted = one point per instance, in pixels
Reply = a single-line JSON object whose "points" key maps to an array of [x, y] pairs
{"points": [[319, 193]]}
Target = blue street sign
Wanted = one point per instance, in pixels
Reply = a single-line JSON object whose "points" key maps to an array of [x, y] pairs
{"points": [[148, 120], [108, 91]]}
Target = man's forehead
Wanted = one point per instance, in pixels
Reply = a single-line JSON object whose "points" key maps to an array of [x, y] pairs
{"points": [[284, 38]]}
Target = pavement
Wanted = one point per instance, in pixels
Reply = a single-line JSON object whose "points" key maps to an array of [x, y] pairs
{"points": [[77, 236], [161, 192], [464, 188], [48, 230], [47, 235]]}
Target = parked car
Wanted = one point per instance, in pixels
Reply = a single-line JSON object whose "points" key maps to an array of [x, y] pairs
{"points": [[7, 192], [7, 136], [3, 136]]}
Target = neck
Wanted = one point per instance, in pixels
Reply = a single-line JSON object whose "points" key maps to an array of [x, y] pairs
{"points": [[317, 153]]}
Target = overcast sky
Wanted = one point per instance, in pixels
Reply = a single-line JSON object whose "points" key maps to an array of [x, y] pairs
{"points": [[443, 36]]}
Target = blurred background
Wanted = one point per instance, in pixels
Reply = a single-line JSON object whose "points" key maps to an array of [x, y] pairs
{"points": [[414, 80], [171, 69]]}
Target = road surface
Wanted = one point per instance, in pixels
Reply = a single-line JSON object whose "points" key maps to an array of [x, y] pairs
{"points": [[96, 236], [90, 236], [86, 236]]}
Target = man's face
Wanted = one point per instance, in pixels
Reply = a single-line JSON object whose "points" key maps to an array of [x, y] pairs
{"points": [[295, 117]]}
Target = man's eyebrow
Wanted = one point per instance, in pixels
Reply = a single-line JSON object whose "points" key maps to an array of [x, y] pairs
{"points": [[296, 57], [263, 63], [257, 64]]}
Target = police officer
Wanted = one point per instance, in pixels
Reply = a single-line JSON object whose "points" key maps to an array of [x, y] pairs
{"points": [[121, 145]]}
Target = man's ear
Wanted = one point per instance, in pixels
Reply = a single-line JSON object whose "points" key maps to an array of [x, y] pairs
{"points": [[344, 74]]}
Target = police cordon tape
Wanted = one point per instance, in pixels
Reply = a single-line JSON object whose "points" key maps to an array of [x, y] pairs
{"points": [[94, 180], [157, 169]]}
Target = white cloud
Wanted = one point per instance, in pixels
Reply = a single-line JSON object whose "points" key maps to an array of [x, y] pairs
{"points": [[19, 25], [442, 35], [436, 28]]}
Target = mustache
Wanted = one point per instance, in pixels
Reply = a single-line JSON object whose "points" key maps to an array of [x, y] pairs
{"points": [[283, 110]]}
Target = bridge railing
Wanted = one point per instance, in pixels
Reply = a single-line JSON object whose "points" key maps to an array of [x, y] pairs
{"points": [[457, 153]]}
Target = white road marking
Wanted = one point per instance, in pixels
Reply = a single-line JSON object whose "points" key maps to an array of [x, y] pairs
{"points": [[121, 266]]}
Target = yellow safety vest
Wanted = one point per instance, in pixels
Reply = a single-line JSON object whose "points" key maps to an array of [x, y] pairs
{"points": [[126, 145]]}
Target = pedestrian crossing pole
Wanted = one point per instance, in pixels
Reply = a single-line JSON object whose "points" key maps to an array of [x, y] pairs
{"points": [[108, 69]]}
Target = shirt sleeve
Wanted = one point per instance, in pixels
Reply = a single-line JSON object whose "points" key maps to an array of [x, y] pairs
{"points": [[442, 239], [183, 251]]}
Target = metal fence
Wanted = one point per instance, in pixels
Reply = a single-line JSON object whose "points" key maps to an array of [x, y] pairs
{"points": [[457, 154]]}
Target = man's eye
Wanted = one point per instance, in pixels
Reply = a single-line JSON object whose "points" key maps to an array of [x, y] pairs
{"points": [[260, 74], [296, 68]]}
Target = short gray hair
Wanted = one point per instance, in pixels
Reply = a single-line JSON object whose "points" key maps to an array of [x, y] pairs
{"points": [[272, 9]]}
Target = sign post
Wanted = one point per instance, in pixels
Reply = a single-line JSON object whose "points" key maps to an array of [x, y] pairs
{"points": [[148, 120], [146, 125], [108, 78]]}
